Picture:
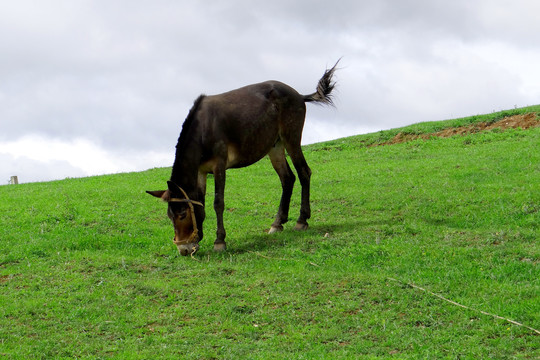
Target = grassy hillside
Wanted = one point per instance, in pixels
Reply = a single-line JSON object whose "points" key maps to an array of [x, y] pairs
{"points": [[88, 268]]}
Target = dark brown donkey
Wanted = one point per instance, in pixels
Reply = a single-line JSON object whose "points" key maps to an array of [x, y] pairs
{"points": [[233, 130]]}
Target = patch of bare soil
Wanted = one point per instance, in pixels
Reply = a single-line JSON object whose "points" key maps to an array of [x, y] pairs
{"points": [[524, 121]]}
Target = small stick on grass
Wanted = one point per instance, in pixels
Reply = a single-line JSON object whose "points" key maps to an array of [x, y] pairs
{"points": [[463, 306]]}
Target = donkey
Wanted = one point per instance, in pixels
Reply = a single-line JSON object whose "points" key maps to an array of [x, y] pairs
{"points": [[232, 130]]}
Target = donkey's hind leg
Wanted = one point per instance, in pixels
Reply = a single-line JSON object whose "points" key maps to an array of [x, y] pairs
{"points": [[219, 205], [287, 178], [304, 174]]}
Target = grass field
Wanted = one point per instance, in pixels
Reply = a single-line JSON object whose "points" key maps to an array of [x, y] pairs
{"points": [[88, 269]]}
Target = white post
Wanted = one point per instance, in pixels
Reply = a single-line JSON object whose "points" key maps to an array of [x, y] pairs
{"points": [[14, 180]]}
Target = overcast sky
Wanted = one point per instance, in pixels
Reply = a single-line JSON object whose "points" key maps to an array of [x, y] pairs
{"points": [[93, 87]]}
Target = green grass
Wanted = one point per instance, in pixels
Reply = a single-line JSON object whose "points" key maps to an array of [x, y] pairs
{"points": [[422, 128], [88, 268]]}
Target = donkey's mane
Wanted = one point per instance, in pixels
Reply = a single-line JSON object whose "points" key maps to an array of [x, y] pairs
{"points": [[189, 121], [182, 139]]}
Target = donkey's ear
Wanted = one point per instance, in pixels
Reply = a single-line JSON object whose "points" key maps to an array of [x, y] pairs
{"points": [[158, 193]]}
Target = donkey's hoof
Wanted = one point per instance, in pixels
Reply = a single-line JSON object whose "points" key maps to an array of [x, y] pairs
{"points": [[275, 229], [300, 226], [220, 247]]}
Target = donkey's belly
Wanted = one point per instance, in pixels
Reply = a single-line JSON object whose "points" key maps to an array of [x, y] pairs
{"points": [[236, 158]]}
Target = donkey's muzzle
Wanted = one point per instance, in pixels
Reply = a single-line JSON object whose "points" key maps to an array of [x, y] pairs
{"points": [[188, 249]]}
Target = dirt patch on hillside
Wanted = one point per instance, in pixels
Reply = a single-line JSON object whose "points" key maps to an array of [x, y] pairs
{"points": [[524, 121]]}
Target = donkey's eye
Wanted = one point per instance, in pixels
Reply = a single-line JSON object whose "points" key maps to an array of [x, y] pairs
{"points": [[182, 215]]}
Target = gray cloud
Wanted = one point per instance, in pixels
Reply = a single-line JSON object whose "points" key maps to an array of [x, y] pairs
{"points": [[123, 75]]}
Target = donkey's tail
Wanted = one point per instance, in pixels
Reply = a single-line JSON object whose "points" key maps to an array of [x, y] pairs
{"points": [[323, 95]]}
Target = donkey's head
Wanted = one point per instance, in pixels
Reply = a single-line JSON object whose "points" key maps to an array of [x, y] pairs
{"points": [[186, 215]]}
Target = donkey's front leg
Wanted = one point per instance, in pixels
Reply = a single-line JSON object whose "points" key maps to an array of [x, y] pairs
{"points": [[219, 207]]}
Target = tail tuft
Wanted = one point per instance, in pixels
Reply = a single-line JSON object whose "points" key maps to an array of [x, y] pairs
{"points": [[323, 95]]}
